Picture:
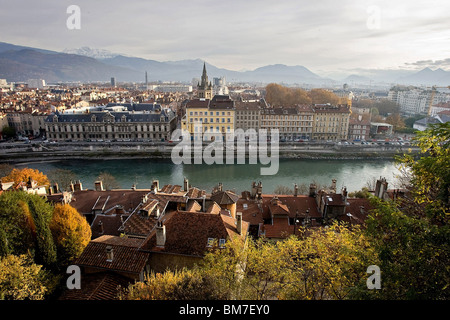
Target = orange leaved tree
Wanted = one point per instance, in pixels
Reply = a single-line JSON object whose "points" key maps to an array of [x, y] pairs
{"points": [[71, 232], [23, 175]]}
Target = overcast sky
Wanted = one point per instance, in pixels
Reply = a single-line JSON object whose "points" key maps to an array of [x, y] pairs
{"points": [[324, 36]]}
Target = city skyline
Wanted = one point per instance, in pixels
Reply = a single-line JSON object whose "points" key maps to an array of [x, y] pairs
{"points": [[327, 37]]}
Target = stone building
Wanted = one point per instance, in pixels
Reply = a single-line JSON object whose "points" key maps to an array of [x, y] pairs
{"points": [[293, 123], [120, 122], [331, 122]]}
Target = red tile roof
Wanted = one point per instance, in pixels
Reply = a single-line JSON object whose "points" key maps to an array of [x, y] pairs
{"points": [[97, 286], [187, 233], [126, 256]]}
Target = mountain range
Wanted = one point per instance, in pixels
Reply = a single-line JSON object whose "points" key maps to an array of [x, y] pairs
{"points": [[20, 63]]}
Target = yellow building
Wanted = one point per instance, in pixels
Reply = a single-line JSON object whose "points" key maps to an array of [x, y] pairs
{"points": [[331, 122], [215, 116]]}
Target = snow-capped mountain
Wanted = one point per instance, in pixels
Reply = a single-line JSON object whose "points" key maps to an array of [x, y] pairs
{"points": [[91, 52]]}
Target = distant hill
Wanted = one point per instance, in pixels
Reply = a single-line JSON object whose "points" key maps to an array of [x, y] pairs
{"points": [[27, 64], [12, 47], [20, 63], [427, 77]]}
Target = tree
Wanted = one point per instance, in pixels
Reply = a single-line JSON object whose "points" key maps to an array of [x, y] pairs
{"points": [[322, 96], [386, 107], [108, 180], [412, 235], [22, 279], [23, 175], [71, 232], [325, 263], [5, 169], [8, 132], [173, 285], [24, 220], [396, 120], [283, 190], [62, 177]]}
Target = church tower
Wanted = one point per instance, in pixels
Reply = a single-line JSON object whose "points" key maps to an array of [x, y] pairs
{"points": [[204, 88]]}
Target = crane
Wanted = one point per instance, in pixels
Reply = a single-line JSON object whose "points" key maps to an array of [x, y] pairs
{"points": [[433, 93]]}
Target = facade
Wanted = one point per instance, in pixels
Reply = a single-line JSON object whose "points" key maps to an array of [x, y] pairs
{"points": [[248, 115], [27, 123], [293, 123], [331, 122], [120, 122], [359, 127], [413, 101], [215, 116]]}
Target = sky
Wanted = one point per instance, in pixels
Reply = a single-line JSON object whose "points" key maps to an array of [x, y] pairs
{"points": [[326, 36]]}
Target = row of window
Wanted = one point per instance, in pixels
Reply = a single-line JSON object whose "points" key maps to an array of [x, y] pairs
{"points": [[211, 113], [210, 120], [272, 117], [91, 128]]}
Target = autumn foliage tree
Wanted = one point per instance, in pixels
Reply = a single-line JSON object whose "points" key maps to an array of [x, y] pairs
{"points": [[24, 224], [21, 278], [278, 95], [23, 175], [71, 232]]}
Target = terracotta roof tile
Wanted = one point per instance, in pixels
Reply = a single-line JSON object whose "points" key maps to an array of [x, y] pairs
{"points": [[126, 256], [97, 286], [188, 232]]}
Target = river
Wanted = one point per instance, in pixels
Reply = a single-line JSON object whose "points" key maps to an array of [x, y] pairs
{"points": [[353, 174]]}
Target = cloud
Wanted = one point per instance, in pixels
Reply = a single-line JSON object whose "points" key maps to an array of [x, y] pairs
{"points": [[242, 34], [443, 64]]}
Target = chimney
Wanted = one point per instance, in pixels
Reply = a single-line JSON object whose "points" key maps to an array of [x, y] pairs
{"points": [[77, 186], [98, 185], [186, 184], [220, 187], [100, 225], [160, 234], [55, 188], [155, 186], [295, 190], [253, 191], [239, 222], [109, 254], [344, 194], [71, 187], [259, 189], [312, 190], [333, 185]]}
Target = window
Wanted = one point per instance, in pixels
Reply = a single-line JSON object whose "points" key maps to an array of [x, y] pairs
{"points": [[210, 242], [222, 243]]}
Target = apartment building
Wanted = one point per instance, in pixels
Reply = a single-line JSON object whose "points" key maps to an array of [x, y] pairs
{"points": [[215, 116], [28, 122], [331, 122], [413, 101], [293, 123], [359, 127], [248, 114]]}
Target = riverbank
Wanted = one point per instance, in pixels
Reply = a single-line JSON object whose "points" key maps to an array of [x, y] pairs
{"points": [[23, 153]]}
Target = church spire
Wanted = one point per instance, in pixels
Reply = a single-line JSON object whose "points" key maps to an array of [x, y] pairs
{"points": [[204, 88], [204, 76]]}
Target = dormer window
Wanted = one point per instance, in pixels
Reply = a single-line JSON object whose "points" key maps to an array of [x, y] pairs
{"points": [[210, 242], [93, 118]]}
